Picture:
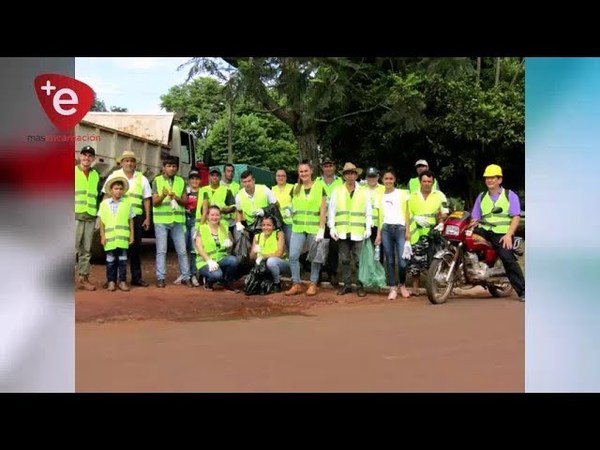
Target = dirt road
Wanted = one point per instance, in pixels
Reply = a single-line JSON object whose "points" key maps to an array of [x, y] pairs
{"points": [[191, 340]]}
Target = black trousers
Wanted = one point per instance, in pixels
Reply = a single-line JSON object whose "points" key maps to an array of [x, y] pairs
{"points": [[511, 266], [331, 266], [135, 249]]}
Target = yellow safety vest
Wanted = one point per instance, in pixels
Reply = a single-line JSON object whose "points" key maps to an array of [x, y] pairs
{"points": [[116, 226], [350, 213], [86, 191], [270, 244], [135, 191], [258, 201], [428, 208], [165, 213], [307, 209], [284, 199], [210, 247], [497, 223]]}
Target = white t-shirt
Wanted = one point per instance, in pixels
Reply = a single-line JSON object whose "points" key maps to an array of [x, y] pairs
{"points": [[392, 206]]}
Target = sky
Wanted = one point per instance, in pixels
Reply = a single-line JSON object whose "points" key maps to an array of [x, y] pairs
{"points": [[132, 83]]}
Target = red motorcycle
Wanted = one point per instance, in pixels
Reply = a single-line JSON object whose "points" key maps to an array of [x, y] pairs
{"points": [[467, 260]]}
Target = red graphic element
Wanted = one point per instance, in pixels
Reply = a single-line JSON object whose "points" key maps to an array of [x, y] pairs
{"points": [[64, 99]]}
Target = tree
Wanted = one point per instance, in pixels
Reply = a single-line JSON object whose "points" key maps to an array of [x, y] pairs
{"points": [[98, 105]]}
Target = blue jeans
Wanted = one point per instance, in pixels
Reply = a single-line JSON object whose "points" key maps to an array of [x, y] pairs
{"points": [[296, 246], [177, 231], [392, 238], [116, 263], [287, 232], [189, 244], [227, 271], [276, 266]]}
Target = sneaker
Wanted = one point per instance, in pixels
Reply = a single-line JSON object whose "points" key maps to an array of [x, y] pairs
{"points": [[393, 294], [195, 281], [178, 280], [360, 291], [345, 289]]}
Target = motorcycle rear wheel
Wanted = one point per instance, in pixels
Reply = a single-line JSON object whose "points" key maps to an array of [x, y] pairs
{"points": [[438, 269]]}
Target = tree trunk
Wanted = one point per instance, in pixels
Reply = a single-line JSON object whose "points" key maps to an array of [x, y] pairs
{"points": [[307, 146], [230, 135], [478, 68], [497, 72]]}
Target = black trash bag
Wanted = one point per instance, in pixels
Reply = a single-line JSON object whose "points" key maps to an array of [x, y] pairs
{"points": [[270, 211], [241, 246], [318, 251], [259, 280]]}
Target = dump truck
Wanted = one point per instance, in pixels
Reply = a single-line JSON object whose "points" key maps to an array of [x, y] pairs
{"points": [[152, 137]]}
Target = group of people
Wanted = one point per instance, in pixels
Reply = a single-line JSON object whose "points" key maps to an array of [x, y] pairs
{"points": [[206, 222]]}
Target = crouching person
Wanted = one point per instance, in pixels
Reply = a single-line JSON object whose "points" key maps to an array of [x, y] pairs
{"points": [[269, 245], [213, 241], [116, 232]]}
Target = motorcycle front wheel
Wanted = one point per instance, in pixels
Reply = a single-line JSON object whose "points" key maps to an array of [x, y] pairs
{"points": [[438, 290]]}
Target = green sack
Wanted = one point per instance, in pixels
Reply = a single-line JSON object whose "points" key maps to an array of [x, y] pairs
{"points": [[370, 272]]}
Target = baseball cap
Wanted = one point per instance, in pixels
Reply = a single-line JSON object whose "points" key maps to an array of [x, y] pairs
{"points": [[421, 162], [372, 172], [328, 161], [214, 170], [194, 174], [88, 149]]}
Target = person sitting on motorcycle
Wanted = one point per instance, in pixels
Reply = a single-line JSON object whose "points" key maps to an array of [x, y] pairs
{"points": [[427, 210], [500, 228]]}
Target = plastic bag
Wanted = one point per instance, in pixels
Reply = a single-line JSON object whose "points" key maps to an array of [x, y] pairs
{"points": [[259, 280], [270, 211], [241, 247], [318, 251], [370, 272]]}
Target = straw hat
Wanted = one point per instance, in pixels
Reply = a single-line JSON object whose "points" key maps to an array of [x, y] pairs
{"points": [[127, 154], [111, 181], [351, 167]]}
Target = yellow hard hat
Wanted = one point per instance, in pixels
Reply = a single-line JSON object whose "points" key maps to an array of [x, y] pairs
{"points": [[492, 170]]}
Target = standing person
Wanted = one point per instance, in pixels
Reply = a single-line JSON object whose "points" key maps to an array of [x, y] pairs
{"points": [[350, 220], [140, 194], [500, 228], [375, 191], [213, 241], [270, 245], [392, 232], [169, 217], [309, 207], [191, 198], [427, 210], [217, 194], [87, 184], [116, 231], [414, 184], [330, 181], [234, 187], [283, 193], [251, 201]]}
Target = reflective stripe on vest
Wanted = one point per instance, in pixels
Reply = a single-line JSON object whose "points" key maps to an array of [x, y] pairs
{"points": [[350, 213], [307, 209], [135, 191], [209, 245], [258, 201], [284, 199], [497, 223], [116, 226], [165, 213], [86, 191], [428, 208]]}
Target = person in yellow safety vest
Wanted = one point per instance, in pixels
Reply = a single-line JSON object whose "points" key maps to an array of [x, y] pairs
{"points": [[283, 193], [87, 185], [216, 193], [234, 187], [169, 217], [393, 233], [116, 231], [375, 190], [213, 242], [428, 209], [309, 206], [350, 221], [269, 245], [251, 200], [330, 181], [140, 193], [499, 228], [414, 184]]}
